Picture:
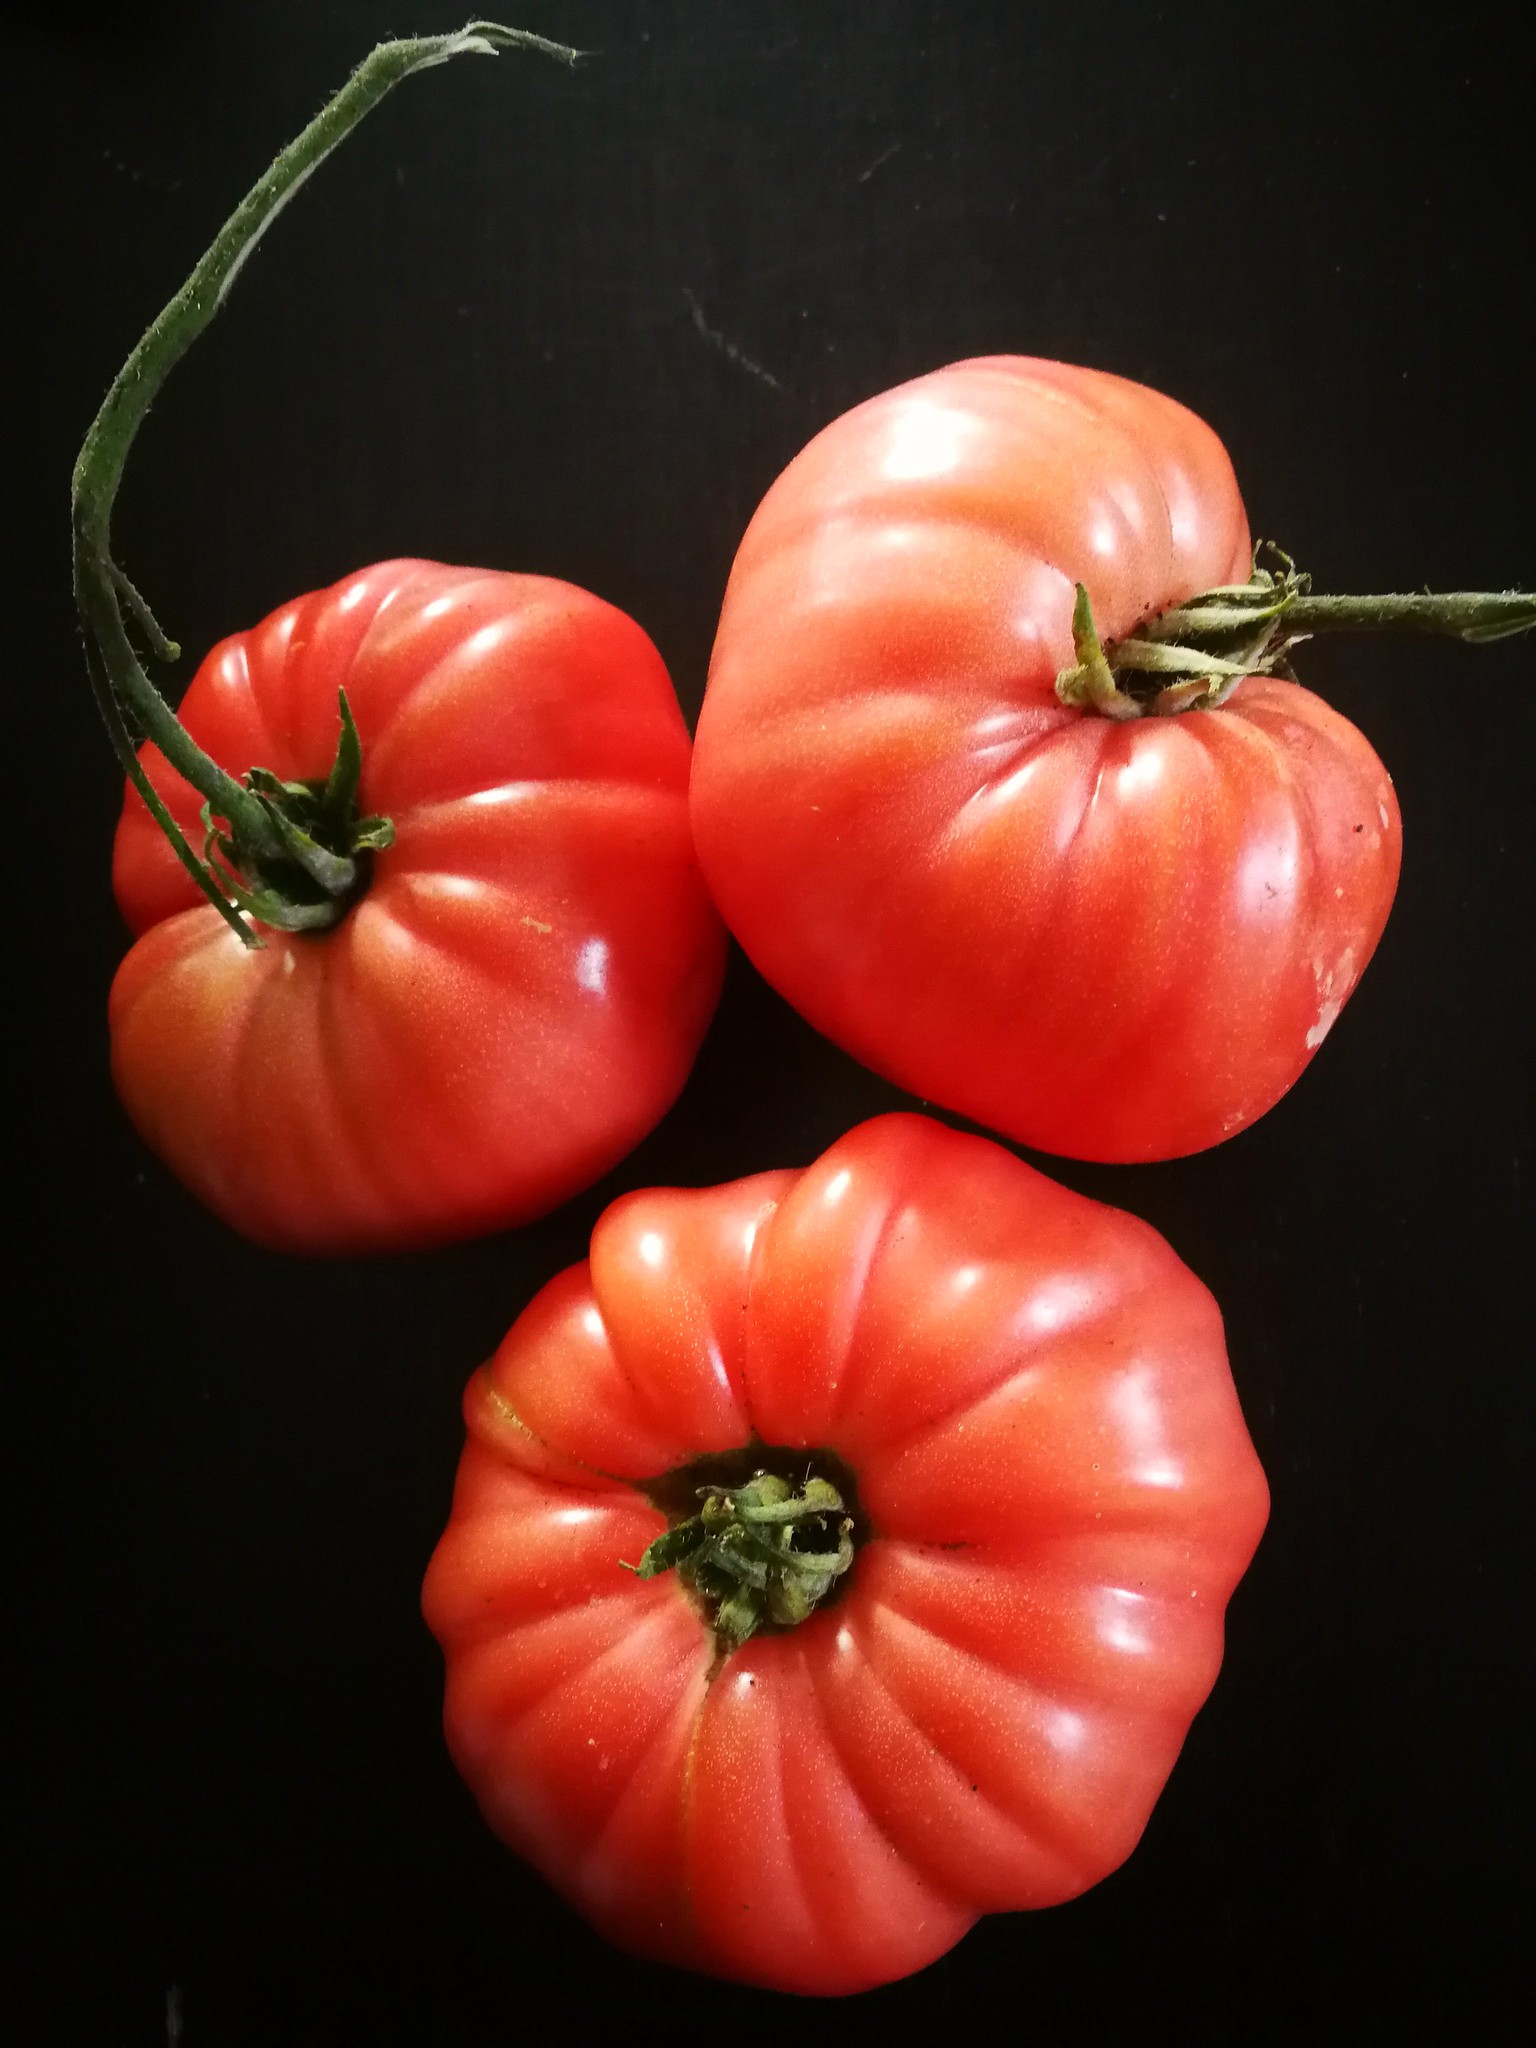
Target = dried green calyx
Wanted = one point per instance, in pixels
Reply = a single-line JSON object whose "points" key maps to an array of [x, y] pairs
{"points": [[1193, 655], [756, 1555], [311, 862]]}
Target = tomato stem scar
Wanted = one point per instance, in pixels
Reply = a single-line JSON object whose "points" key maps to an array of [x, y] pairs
{"points": [[300, 847]]}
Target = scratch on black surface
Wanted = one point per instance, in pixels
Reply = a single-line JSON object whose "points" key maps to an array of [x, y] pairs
{"points": [[883, 158], [728, 348]]}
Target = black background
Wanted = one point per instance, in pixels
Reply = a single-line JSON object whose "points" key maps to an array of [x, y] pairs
{"points": [[494, 331]]}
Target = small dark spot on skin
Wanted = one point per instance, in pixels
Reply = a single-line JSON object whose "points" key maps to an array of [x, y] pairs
{"points": [[975, 1788], [1359, 828]]}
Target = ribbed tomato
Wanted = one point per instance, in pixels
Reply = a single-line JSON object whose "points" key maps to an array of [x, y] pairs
{"points": [[1018, 1406], [1117, 941], [519, 994]]}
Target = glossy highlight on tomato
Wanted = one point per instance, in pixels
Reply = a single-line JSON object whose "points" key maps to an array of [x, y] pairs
{"points": [[519, 994], [1055, 1497], [1116, 941]]}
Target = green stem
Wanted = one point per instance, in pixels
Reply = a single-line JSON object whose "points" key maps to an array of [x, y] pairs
{"points": [[101, 588], [1215, 639], [1474, 615]]}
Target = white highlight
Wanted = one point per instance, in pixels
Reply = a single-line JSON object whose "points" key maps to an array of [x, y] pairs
{"points": [[1013, 786], [996, 725], [1139, 1418], [652, 1248], [1065, 1730], [592, 966], [1333, 987], [1120, 1623], [1055, 1303], [1143, 771], [1164, 1472], [927, 441], [504, 793], [1267, 878]]}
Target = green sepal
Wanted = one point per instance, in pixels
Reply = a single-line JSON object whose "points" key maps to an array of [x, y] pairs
{"points": [[816, 1497], [739, 1553], [668, 1550], [738, 1617], [339, 799], [1232, 630], [1151, 657], [1091, 685], [334, 873], [158, 641], [793, 1600], [740, 1559]]}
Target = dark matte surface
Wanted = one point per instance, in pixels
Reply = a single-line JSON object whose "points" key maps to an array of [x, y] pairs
{"points": [[577, 326]]}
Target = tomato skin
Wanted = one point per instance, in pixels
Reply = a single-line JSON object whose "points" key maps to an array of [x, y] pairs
{"points": [[519, 995], [1060, 1496], [1112, 941]]}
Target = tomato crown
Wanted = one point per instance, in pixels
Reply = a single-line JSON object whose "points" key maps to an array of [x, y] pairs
{"points": [[323, 850], [764, 1550], [1192, 656]]}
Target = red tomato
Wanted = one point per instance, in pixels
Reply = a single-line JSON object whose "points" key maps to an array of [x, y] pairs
{"points": [[520, 993], [1114, 941], [1056, 1495]]}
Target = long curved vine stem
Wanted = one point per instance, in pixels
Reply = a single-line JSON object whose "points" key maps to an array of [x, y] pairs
{"points": [[270, 828], [1194, 655]]}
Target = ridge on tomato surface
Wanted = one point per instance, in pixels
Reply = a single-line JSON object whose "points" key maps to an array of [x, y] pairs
{"points": [[517, 990], [839, 1555], [940, 797]]}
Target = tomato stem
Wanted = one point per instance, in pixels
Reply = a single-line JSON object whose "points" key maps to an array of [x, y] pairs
{"points": [[257, 835], [761, 1554], [1477, 616], [1209, 643]]}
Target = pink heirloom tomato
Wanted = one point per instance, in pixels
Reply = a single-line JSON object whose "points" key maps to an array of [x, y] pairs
{"points": [[937, 1486], [516, 994], [1117, 937]]}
